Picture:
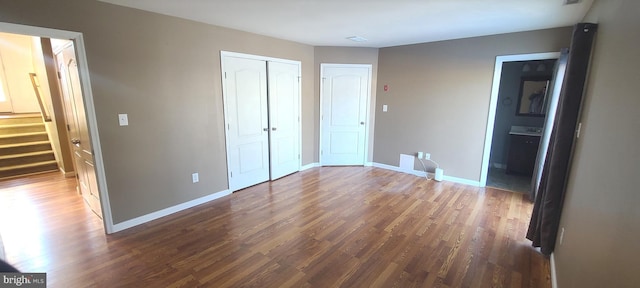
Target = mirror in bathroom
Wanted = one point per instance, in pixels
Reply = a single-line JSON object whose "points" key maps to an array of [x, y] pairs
{"points": [[533, 96]]}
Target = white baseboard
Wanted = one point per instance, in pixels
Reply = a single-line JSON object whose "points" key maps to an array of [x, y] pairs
{"points": [[499, 165], [461, 181], [554, 276], [317, 164], [423, 174], [68, 174], [398, 169], [168, 211], [309, 166]]}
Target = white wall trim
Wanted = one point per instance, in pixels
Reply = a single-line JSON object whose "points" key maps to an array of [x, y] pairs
{"points": [[68, 174], [398, 169], [493, 102], [499, 165], [423, 174], [461, 181], [309, 166], [554, 275], [92, 122], [168, 211]]}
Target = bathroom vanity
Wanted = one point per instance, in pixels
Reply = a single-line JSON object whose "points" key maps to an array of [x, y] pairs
{"points": [[523, 149]]}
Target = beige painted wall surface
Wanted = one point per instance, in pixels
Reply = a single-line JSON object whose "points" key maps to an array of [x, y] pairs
{"points": [[439, 94], [165, 73], [18, 63], [346, 55], [601, 214]]}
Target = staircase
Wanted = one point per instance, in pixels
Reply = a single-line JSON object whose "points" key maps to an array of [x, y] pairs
{"points": [[24, 146]]}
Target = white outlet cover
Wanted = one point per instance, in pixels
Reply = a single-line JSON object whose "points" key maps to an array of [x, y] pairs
{"points": [[195, 178], [385, 108], [123, 119]]}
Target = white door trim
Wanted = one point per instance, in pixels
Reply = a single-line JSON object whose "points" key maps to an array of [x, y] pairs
{"points": [[83, 70], [368, 110], [224, 54], [495, 88]]}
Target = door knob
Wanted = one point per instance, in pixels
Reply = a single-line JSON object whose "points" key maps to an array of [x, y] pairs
{"points": [[361, 123], [273, 129], [75, 141]]}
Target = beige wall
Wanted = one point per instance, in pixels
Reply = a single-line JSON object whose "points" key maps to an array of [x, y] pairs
{"points": [[347, 55], [601, 214], [18, 63], [439, 95], [165, 73]]}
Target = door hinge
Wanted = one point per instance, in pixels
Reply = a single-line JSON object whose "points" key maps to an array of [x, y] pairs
{"points": [[578, 130], [298, 156], [68, 127], [231, 172], [225, 75], [299, 79], [228, 126]]}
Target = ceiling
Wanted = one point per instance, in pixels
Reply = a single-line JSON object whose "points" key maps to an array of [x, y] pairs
{"points": [[383, 22]]}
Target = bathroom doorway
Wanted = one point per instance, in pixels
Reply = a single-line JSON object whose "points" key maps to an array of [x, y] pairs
{"points": [[520, 99]]}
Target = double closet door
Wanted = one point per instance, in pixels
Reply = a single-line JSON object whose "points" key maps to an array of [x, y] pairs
{"points": [[262, 118]]}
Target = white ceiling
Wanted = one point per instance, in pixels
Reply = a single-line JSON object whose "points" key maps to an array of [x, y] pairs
{"points": [[383, 22]]}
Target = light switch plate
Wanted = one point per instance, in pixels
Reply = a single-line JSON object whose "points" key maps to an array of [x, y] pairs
{"points": [[385, 108], [195, 178], [123, 119]]}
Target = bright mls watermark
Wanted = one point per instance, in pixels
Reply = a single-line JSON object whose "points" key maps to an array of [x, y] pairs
{"points": [[23, 280]]}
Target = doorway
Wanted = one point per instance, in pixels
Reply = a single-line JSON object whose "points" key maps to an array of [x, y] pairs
{"points": [[345, 94], [513, 132], [262, 118], [88, 117]]}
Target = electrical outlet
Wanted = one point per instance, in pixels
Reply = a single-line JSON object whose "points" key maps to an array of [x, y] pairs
{"points": [[427, 156], [561, 235], [195, 178], [420, 155], [123, 119]]}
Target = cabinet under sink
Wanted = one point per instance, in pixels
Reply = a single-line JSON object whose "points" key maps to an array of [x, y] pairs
{"points": [[523, 150]]}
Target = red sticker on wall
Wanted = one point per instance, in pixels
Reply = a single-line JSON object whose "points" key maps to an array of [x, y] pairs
{"points": [[386, 88]]}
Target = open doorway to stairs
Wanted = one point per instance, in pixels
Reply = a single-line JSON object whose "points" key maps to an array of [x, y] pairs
{"points": [[43, 127], [74, 121]]}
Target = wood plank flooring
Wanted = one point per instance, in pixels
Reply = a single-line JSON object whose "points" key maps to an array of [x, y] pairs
{"points": [[323, 227]]}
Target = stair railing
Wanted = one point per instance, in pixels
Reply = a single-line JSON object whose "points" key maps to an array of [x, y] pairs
{"points": [[36, 88]]}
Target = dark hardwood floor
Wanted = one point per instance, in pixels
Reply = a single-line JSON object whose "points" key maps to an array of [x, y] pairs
{"points": [[323, 227]]}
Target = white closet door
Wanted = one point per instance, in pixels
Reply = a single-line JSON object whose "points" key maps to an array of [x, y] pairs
{"points": [[245, 84], [284, 94], [345, 92]]}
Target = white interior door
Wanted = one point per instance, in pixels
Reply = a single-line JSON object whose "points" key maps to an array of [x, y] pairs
{"points": [[345, 93], [77, 126], [245, 96], [284, 94]]}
